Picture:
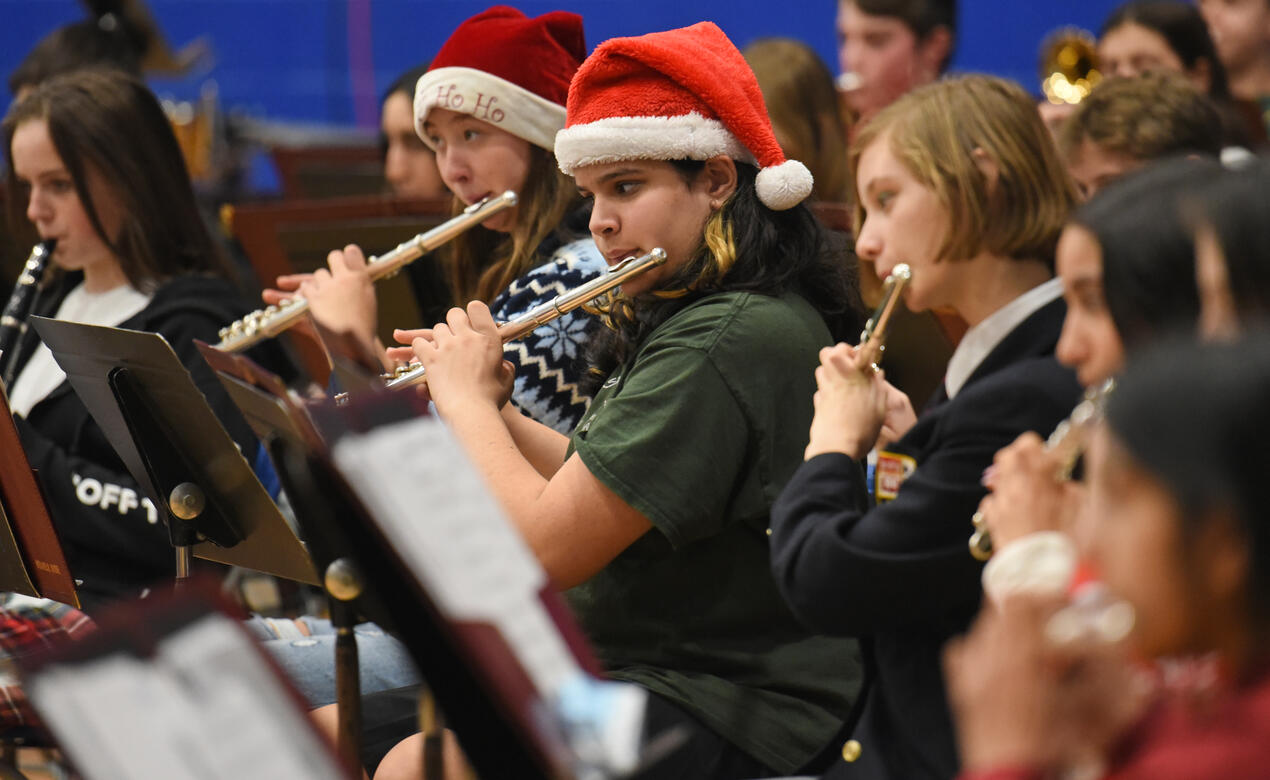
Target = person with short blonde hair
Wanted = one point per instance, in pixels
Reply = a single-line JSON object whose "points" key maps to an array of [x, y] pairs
{"points": [[943, 137], [960, 181]]}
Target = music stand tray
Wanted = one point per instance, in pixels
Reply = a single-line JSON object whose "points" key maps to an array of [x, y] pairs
{"points": [[161, 426]]}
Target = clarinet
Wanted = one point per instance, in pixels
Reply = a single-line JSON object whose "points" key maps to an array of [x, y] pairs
{"points": [[13, 319]]}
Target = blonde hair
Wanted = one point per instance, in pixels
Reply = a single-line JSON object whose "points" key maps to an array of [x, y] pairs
{"points": [[936, 132], [805, 110], [480, 264]]}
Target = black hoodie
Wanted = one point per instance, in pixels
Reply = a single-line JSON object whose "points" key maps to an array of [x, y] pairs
{"points": [[115, 541]]}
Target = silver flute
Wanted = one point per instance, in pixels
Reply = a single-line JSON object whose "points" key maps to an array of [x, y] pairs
{"points": [[562, 304], [272, 320]]}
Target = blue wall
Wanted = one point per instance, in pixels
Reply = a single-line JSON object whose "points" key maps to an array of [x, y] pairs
{"points": [[290, 59], [328, 60]]}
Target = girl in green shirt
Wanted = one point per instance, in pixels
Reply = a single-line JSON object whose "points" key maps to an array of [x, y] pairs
{"points": [[653, 514]]}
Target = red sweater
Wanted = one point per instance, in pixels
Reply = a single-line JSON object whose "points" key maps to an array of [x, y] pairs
{"points": [[1228, 738]]}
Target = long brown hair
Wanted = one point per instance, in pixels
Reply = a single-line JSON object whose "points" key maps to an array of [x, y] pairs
{"points": [[482, 263], [805, 110], [111, 124]]}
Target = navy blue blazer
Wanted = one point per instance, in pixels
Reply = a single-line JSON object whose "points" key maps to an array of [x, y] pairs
{"points": [[898, 575]]}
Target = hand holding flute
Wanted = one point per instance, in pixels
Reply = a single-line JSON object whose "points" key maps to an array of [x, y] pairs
{"points": [[855, 406], [1024, 497], [464, 360], [1029, 482]]}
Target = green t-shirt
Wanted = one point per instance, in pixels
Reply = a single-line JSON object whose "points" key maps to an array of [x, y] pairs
{"points": [[699, 431]]}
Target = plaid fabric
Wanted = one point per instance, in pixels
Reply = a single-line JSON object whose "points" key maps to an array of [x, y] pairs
{"points": [[30, 628]]}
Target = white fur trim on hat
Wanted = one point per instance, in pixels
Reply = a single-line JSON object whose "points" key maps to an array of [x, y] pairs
{"points": [[783, 186], [491, 99], [685, 137]]}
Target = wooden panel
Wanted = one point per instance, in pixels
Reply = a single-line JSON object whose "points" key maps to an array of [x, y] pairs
{"points": [[329, 171], [835, 216]]}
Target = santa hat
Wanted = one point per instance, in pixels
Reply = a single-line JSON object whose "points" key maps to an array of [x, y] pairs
{"points": [[682, 94], [504, 68]]}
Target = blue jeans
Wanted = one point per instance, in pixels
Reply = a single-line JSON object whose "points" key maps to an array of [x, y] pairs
{"points": [[310, 661]]}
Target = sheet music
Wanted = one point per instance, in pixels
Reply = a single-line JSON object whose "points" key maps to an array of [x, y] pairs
{"points": [[439, 516], [205, 706]]}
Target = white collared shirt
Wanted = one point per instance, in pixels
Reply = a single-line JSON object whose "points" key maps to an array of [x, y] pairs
{"points": [[980, 340]]}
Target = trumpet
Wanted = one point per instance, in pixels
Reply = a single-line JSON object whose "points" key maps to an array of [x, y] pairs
{"points": [[272, 320], [1067, 442], [560, 305], [873, 337], [1069, 66]]}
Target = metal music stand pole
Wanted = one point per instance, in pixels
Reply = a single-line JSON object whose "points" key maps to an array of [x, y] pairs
{"points": [[344, 585]]}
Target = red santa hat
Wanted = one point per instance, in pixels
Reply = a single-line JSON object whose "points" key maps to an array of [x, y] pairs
{"points": [[504, 68], [681, 94]]}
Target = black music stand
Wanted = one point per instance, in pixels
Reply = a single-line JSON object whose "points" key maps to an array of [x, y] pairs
{"points": [[276, 413], [173, 687], [470, 666], [171, 442]]}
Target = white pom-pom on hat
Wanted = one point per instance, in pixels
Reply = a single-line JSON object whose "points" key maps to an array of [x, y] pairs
{"points": [[784, 185]]}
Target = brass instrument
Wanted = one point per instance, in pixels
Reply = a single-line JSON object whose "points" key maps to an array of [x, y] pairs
{"points": [[562, 304], [13, 318], [272, 320], [1067, 442], [1069, 66], [873, 337]]}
